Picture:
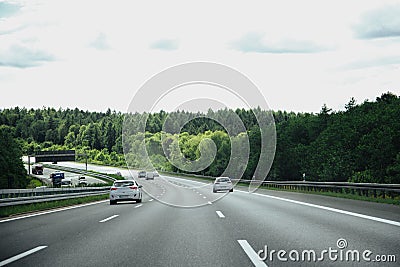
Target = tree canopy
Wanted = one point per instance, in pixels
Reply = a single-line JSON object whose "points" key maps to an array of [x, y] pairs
{"points": [[358, 144]]}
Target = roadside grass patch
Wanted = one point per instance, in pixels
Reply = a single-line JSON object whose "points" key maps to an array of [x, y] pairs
{"points": [[21, 209]]}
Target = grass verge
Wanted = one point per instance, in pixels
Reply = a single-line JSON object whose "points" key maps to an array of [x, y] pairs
{"points": [[21, 209]]}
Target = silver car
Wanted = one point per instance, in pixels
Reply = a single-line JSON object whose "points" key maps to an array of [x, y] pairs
{"points": [[125, 190], [222, 183]]}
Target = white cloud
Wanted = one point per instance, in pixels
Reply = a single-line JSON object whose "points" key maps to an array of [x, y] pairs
{"points": [[100, 42], [258, 43], [23, 57], [379, 23], [281, 59], [165, 44]]}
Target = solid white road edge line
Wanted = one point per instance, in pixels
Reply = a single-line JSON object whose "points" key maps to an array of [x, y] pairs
{"points": [[19, 256], [220, 214], [137, 206], [251, 254], [52, 211], [109, 218], [359, 215]]}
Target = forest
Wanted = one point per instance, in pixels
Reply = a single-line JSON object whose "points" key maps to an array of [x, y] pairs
{"points": [[358, 144]]}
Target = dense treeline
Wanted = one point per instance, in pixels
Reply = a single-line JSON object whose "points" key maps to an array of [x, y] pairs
{"points": [[13, 173], [360, 144]]}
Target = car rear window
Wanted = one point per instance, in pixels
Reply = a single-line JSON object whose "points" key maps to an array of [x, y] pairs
{"points": [[223, 180], [123, 184]]}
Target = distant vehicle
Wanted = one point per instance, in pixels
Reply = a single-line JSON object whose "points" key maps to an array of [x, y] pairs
{"points": [[156, 174], [124, 190], [82, 181], [37, 169], [41, 187], [66, 183], [222, 184], [56, 178], [119, 174], [150, 176], [142, 174]]}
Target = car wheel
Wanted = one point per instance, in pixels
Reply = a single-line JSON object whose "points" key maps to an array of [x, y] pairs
{"points": [[231, 190], [139, 201], [113, 202], [214, 191]]}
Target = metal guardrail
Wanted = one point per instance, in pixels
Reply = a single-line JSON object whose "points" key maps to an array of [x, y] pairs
{"points": [[363, 189], [12, 197]]}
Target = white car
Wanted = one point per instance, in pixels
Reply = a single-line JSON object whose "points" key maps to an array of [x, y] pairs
{"points": [[222, 184], [150, 176], [82, 181], [123, 190], [66, 183]]}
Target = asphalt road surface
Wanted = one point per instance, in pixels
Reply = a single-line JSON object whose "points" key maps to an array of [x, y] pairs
{"points": [[224, 230], [45, 177]]}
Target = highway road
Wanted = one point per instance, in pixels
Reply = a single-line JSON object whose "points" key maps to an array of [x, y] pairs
{"points": [[68, 175], [224, 230]]}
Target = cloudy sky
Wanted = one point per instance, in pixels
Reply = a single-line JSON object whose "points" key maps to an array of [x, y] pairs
{"points": [[95, 55]]}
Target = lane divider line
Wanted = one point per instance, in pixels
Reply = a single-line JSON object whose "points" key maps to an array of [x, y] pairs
{"points": [[138, 206], [251, 254], [204, 197], [209, 202], [359, 215], [220, 214], [19, 256], [150, 200], [109, 218]]}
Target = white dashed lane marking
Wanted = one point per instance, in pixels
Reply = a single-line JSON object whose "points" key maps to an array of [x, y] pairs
{"points": [[19, 256], [220, 214], [251, 254], [109, 218]]}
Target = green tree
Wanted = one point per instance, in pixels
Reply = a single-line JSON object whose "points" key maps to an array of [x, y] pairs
{"points": [[13, 174]]}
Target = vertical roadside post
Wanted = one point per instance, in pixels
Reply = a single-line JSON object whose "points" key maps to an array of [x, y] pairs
{"points": [[304, 177], [86, 161], [29, 164]]}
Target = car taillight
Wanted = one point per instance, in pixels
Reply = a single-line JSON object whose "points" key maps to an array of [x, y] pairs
{"points": [[113, 188], [133, 187]]}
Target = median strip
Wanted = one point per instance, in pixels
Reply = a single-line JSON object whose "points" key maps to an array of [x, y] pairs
{"points": [[19, 256], [109, 218], [251, 254]]}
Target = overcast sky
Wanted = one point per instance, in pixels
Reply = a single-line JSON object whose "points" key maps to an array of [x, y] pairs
{"points": [[95, 55]]}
